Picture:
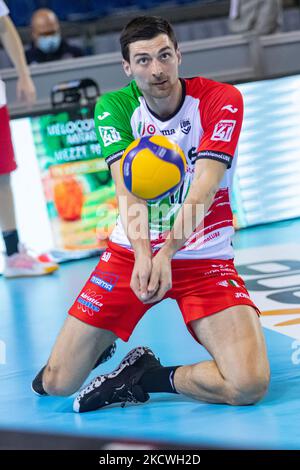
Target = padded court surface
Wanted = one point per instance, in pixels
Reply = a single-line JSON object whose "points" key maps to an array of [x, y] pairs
{"points": [[32, 312]]}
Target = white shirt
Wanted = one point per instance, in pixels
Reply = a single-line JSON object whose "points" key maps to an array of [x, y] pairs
{"points": [[4, 11]]}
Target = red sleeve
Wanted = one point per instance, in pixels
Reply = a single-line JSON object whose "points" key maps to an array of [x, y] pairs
{"points": [[221, 112]]}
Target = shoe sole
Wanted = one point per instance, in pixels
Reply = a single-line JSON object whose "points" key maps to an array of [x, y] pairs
{"points": [[128, 360], [31, 274]]}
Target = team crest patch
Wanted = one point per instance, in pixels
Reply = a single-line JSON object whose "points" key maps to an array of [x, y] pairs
{"points": [[223, 130], [185, 125], [151, 129], [109, 135]]}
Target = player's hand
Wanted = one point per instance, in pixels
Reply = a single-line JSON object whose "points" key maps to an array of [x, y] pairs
{"points": [[140, 276], [26, 90], [160, 280]]}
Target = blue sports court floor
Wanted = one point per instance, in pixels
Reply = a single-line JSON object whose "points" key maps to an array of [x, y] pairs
{"points": [[33, 310]]}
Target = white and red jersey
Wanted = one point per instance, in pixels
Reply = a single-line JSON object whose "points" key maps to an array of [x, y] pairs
{"points": [[207, 125]]}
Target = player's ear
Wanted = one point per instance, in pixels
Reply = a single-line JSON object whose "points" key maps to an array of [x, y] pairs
{"points": [[126, 67]]}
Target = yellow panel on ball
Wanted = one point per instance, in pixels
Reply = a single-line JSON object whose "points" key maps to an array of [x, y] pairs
{"points": [[152, 176]]}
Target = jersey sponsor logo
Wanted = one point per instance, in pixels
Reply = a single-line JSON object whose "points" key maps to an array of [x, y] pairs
{"points": [[109, 135], [106, 256], [114, 157], [241, 295], [213, 271], [212, 236], [192, 155], [223, 130], [168, 132], [221, 266], [90, 302], [104, 280], [222, 157], [103, 115], [185, 125], [230, 108], [221, 269], [151, 129]]}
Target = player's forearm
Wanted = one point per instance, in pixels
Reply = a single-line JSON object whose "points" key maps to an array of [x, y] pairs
{"points": [[13, 46], [134, 216], [190, 216]]}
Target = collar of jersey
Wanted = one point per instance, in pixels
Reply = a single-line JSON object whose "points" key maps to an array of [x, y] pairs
{"points": [[176, 110]]}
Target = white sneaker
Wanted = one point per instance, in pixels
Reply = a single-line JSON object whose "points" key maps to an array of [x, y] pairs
{"points": [[23, 264]]}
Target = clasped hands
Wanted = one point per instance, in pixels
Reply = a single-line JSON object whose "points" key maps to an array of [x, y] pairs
{"points": [[151, 276]]}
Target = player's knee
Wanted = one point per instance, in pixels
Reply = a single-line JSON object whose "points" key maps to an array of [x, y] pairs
{"points": [[249, 390], [55, 384]]}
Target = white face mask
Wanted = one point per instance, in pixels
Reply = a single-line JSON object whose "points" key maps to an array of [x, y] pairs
{"points": [[49, 43]]}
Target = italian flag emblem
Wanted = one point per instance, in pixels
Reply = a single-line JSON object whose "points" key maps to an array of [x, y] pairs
{"points": [[233, 283]]}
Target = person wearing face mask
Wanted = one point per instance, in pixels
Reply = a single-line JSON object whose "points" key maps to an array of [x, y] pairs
{"points": [[47, 42]]}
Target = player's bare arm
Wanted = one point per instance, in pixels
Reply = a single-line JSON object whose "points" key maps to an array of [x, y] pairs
{"points": [[208, 175], [14, 48], [130, 207]]}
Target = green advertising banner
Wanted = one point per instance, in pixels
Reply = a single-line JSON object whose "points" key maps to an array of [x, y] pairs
{"points": [[79, 190]]}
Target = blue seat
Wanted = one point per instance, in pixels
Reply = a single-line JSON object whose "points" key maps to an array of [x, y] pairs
{"points": [[21, 11], [145, 4]]}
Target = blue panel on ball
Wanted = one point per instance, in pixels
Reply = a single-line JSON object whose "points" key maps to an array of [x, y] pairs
{"points": [[127, 167], [167, 155], [128, 160]]}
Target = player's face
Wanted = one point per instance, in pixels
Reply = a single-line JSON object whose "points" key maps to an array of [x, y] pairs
{"points": [[153, 63]]}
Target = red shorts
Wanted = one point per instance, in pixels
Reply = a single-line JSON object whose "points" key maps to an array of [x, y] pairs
{"points": [[200, 287], [7, 157]]}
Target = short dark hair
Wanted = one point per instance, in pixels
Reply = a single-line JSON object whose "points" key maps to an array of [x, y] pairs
{"points": [[144, 27]]}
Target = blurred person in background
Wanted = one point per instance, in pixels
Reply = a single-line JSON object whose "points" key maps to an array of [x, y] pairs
{"points": [[18, 261], [259, 16], [47, 42]]}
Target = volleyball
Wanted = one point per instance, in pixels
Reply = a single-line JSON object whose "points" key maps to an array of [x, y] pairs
{"points": [[153, 167]]}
